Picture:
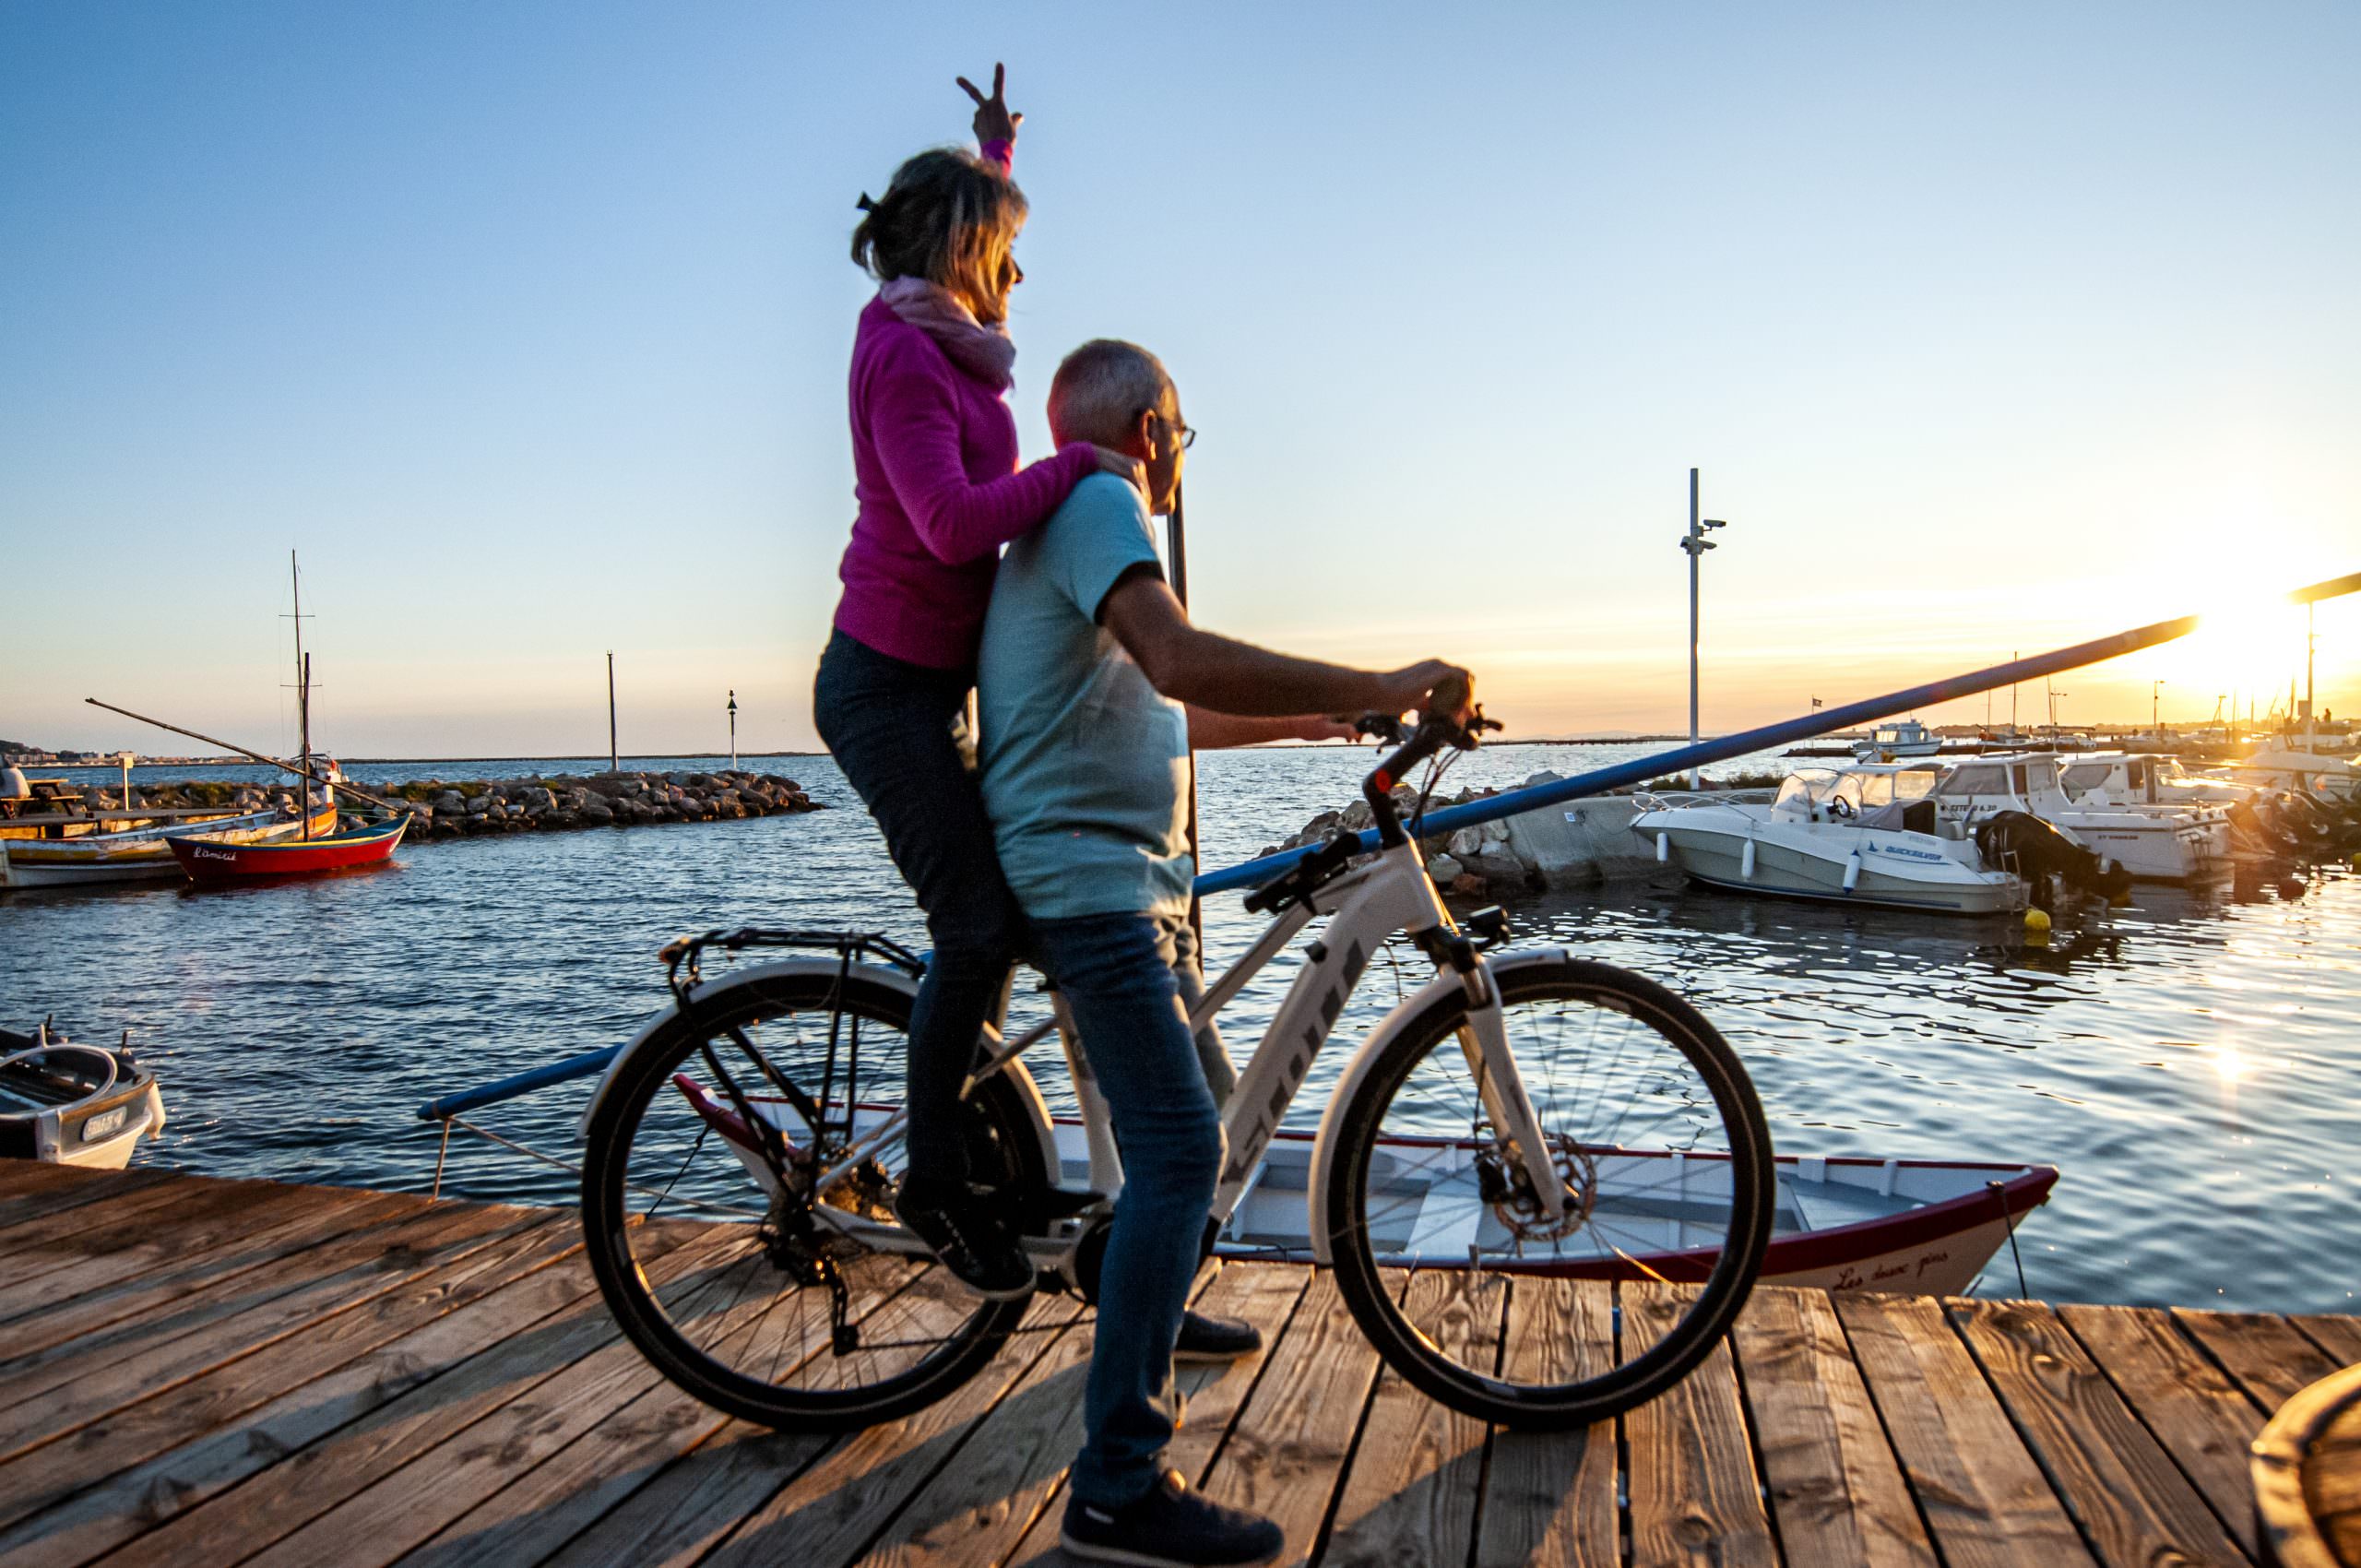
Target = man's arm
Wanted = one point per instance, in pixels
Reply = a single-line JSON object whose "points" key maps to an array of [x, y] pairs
{"points": [[1207, 670], [1211, 731]]}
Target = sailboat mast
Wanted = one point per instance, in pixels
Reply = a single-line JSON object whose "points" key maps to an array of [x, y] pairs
{"points": [[303, 701]]}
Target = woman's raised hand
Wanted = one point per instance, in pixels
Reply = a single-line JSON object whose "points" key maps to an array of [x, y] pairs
{"points": [[1124, 467], [993, 121]]}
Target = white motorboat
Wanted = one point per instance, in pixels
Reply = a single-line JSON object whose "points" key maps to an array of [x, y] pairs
{"points": [[1867, 834], [2157, 843], [1840, 1223], [2304, 773], [2126, 780], [1889, 742], [73, 1104]]}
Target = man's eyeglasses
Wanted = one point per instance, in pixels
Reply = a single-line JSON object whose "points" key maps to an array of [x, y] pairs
{"points": [[1188, 433]]}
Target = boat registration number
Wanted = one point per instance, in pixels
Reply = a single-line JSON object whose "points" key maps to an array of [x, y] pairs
{"points": [[99, 1126]]}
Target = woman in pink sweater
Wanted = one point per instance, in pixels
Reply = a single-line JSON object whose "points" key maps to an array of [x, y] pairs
{"points": [[934, 469]]}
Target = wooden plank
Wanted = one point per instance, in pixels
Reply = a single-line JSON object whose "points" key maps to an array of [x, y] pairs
{"points": [[59, 1237], [2132, 1502], [47, 1475], [569, 1492], [36, 1187], [117, 1507], [1285, 1455], [2201, 1419], [400, 1512], [1983, 1496], [1266, 1295], [2270, 1356], [1410, 1496], [158, 1226], [160, 1294], [44, 1397], [1835, 1487], [2337, 1334], [974, 1504], [1695, 1497], [441, 1403], [676, 1519], [1550, 1497]]}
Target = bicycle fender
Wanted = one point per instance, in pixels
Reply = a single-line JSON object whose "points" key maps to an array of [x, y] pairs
{"points": [[1037, 1109], [1364, 1063]]}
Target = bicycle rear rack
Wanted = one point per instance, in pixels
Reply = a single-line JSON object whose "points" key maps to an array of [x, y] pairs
{"points": [[684, 955]]}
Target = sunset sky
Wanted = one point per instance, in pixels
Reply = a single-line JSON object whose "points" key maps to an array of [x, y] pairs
{"points": [[1992, 328]]}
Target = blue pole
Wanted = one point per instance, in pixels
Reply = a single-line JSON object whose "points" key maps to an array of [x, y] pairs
{"points": [[582, 1067]]}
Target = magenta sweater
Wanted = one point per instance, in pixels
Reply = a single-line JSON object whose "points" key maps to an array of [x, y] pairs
{"points": [[934, 469]]}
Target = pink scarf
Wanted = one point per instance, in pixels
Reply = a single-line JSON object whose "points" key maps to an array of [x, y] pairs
{"points": [[988, 353]]}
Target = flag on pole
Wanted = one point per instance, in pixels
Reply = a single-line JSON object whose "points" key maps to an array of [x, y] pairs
{"points": [[1815, 702]]}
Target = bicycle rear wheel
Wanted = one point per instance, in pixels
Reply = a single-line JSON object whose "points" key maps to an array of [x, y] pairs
{"points": [[746, 1290], [1462, 1280]]}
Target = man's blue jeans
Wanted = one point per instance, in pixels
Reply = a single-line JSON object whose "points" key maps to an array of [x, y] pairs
{"points": [[1128, 980]]}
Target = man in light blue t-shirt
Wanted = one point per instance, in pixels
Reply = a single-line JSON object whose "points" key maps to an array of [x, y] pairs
{"points": [[1092, 684]]}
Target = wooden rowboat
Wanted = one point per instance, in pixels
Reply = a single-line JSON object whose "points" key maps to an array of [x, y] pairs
{"points": [[1923, 1227], [207, 860]]}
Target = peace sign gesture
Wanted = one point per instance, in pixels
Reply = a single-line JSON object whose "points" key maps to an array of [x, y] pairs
{"points": [[993, 121]]}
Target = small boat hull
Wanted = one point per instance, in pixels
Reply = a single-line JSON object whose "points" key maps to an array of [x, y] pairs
{"points": [[54, 1110], [207, 860], [1840, 1223]]}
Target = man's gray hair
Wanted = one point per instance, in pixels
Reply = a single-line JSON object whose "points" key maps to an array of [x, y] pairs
{"points": [[1101, 389]]}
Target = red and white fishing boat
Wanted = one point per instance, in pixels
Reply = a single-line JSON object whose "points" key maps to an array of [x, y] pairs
{"points": [[1920, 1226], [207, 860]]}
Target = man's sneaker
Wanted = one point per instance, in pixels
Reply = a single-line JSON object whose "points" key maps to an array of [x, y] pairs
{"points": [[1171, 1527], [1204, 1339], [967, 1238]]}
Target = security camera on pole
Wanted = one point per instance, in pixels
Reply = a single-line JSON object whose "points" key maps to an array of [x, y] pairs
{"points": [[1695, 543]]}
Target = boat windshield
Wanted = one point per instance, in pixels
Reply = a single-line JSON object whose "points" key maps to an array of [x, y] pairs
{"points": [[1975, 779], [1873, 790], [1803, 788], [2082, 776]]}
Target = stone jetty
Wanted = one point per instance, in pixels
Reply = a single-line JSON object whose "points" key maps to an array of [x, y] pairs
{"points": [[477, 807]]}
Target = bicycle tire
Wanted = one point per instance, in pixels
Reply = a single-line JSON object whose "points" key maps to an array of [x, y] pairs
{"points": [[1412, 1352], [1003, 1147]]}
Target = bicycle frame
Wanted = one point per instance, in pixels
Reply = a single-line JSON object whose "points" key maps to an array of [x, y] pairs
{"points": [[1365, 906]]}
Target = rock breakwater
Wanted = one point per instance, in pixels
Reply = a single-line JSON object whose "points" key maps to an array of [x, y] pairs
{"points": [[478, 807], [1575, 843]]}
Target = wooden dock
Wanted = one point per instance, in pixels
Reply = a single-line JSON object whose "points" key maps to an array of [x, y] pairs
{"points": [[197, 1373]]}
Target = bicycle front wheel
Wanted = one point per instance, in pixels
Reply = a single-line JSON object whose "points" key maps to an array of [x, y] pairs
{"points": [[1467, 1283], [798, 1303]]}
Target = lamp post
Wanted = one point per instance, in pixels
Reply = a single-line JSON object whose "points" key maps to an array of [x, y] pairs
{"points": [[2155, 726], [733, 730], [1694, 544]]}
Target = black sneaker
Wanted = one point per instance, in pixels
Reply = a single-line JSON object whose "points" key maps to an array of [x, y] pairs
{"points": [[1171, 1527], [1204, 1339], [967, 1238]]}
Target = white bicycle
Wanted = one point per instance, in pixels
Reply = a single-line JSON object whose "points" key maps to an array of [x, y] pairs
{"points": [[1543, 1183]]}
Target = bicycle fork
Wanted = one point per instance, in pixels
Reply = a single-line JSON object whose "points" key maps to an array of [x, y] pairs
{"points": [[1484, 1042]]}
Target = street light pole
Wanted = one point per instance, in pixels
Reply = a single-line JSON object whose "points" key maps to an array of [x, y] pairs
{"points": [[733, 730], [1695, 543]]}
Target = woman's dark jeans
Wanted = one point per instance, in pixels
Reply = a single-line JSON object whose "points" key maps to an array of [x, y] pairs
{"points": [[887, 723]]}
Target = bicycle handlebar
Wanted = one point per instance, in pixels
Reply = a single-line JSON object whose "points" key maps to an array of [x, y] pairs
{"points": [[1429, 736]]}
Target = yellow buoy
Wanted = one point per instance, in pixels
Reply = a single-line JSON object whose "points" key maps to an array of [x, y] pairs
{"points": [[2038, 922]]}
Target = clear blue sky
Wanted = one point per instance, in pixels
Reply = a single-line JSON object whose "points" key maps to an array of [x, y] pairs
{"points": [[1992, 327]]}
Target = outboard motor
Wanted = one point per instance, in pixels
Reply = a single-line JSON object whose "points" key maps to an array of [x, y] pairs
{"points": [[2039, 851]]}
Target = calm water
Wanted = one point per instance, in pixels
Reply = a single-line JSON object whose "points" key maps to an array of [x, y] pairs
{"points": [[2192, 1063]]}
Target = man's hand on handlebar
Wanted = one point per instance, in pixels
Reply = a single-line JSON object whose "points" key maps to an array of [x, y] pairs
{"points": [[1436, 689]]}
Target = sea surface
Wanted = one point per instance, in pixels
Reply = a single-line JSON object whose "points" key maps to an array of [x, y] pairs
{"points": [[2192, 1063]]}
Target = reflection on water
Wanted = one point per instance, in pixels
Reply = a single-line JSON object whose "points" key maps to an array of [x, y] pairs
{"points": [[2190, 1061]]}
